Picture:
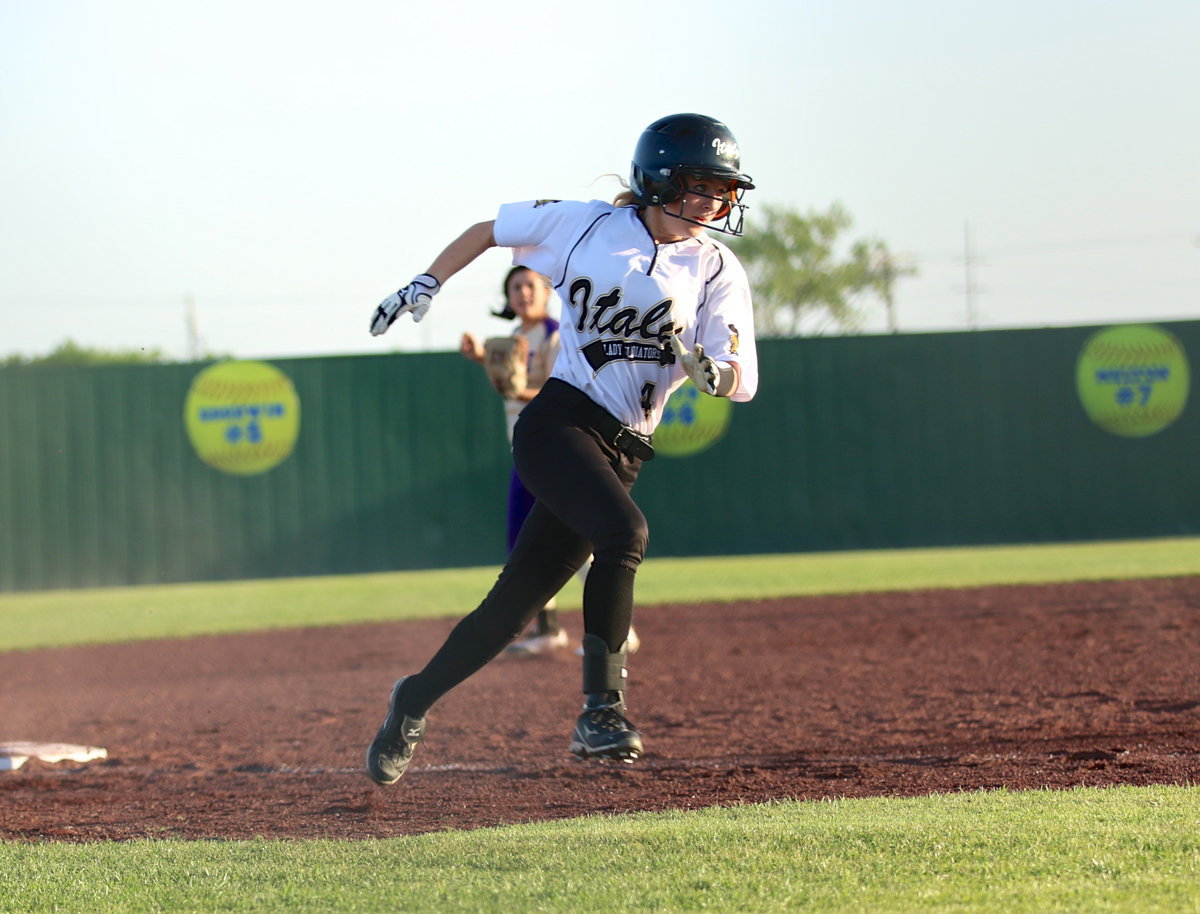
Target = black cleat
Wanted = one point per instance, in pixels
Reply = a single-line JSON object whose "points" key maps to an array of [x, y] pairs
{"points": [[605, 733], [389, 754]]}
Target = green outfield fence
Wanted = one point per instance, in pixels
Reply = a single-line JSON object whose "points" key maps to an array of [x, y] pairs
{"points": [[401, 462]]}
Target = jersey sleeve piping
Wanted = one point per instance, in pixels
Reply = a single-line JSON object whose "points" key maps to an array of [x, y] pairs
{"points": [[578, 241]]}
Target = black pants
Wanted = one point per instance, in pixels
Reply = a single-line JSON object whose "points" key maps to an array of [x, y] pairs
{"points": [[582, 484]]}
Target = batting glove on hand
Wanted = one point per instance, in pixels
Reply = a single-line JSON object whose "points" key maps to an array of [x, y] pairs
{"points": [[414, 299], [713, 378]]}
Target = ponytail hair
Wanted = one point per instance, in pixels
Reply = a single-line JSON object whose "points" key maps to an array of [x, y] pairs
{"points": [[626, 197]]}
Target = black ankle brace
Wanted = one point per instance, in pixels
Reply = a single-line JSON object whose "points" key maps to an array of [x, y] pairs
{"points": [[603, 671]]}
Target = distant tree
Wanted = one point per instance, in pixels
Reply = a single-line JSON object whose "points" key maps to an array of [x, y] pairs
{"points": [[70, 353], [800, 281]]}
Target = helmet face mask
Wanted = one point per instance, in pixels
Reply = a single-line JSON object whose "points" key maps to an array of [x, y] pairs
{"points": [[676, 149], [728, 218]]}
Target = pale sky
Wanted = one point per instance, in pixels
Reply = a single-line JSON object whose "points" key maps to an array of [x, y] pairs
{"points": [[284, 166]]}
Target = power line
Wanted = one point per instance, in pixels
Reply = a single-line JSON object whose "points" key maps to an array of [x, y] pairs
{"points": [[1080, 244]]}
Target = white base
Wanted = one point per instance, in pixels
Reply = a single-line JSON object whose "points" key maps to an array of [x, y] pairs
{"points": [[14, 755]]}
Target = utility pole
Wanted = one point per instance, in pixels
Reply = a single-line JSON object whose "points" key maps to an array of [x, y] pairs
{"points": [[969, 287], [195, 344], [886, 271]]}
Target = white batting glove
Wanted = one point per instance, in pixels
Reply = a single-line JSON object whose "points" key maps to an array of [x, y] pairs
{"points": [[711, 377], [414, 299]]}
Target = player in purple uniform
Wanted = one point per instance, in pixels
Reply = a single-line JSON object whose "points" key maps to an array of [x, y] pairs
{"points": [[650, 300], [526, 295]]}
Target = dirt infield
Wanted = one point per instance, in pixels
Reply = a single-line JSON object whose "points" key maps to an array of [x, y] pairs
{"points": [[881, 694]]}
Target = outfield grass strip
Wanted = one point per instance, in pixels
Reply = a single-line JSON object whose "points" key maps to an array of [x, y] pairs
{"points": [[1113, 850], [97, 615]]}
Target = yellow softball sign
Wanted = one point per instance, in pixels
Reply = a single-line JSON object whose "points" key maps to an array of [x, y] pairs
{"points": [[242, 417], [691, 422], [1132, 380]]}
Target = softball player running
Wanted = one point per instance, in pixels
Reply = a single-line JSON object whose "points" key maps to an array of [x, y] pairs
{"points": [[526, 295], [649, 301]]}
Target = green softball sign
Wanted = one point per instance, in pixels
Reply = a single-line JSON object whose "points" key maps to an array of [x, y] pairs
{"points": [[242, 418], [1132, 380], [692, 422]]}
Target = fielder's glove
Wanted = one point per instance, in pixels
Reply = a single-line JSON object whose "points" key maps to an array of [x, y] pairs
{"points": [[506, 360], [415, 299], [716, 379]]}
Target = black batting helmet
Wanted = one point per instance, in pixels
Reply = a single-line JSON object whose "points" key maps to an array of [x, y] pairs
{"points": [[688, 144]]}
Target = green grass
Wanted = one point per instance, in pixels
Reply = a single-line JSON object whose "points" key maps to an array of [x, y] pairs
{"points": [[58, 618], [1115, 850], [1118, 850]]}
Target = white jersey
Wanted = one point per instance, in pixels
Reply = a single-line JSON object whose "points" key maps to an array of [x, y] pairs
{"points": [[623, 296], [543, 350]]}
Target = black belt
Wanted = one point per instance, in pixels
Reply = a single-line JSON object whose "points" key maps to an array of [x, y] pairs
{"points": [[592, 414]]}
